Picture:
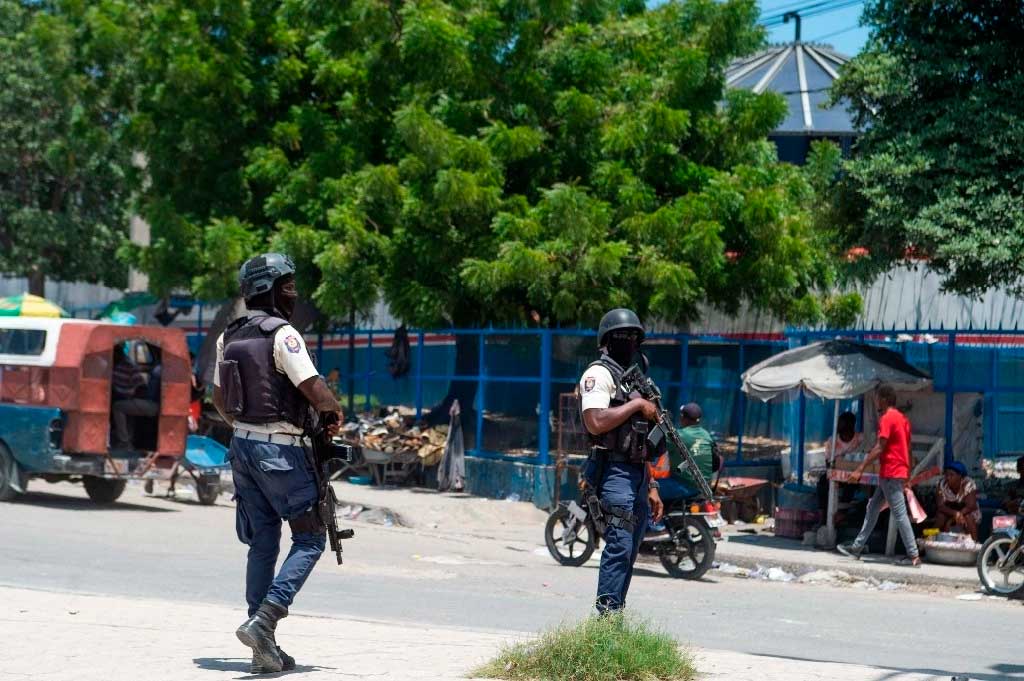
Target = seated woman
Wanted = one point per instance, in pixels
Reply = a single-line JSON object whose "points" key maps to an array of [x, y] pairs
{"points": [[847, 438], [957, 500]]}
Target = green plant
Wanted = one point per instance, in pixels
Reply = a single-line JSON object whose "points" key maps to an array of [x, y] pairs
{"points": [[612, 648]]}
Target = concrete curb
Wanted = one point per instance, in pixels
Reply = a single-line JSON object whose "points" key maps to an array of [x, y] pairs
{"points": [[911, 576]]}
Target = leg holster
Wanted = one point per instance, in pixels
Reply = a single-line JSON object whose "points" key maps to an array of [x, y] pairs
{"points": [[308, 522], [618, 517]]}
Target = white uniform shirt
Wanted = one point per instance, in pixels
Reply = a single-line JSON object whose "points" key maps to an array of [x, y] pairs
{"points": [[291, 359], [596, 388]]}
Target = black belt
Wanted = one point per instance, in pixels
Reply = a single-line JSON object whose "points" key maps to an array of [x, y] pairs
{"points": [[614, 456]]}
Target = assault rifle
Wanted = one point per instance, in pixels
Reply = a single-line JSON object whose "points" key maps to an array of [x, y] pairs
{"points": [[327, 458], [635, 380]]}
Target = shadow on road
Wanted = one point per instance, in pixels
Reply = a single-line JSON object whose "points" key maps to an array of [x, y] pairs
{"points": [[999, 672], [661, 574], [62, 501], [240, 664], [769, 541]]}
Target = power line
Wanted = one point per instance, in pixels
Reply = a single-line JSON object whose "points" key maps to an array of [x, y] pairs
{"points": [[799, 8], [835, 33], [812, 10], [783, 8], [816, 12]]}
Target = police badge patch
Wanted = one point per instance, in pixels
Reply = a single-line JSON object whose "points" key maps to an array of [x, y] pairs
{"points": [[292, 343], [588, 383]]}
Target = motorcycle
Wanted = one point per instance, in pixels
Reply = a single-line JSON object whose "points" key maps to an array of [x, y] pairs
{"points": [[1001, 559], [686, 549]]}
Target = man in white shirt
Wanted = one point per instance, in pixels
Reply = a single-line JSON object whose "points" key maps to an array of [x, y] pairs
{"points": [[617, 469], [266, 386]]}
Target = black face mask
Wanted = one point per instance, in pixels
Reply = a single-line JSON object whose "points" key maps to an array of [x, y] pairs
{"points": [[285, 305], [622, 350]]}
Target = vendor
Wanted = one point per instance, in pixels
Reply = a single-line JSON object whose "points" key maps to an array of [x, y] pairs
{"points": [[958, 501], [847, 438], [1015, 494], [847, 441]]}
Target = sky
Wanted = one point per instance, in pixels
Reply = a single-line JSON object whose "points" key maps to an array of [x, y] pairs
{"points": [[818, 28]]}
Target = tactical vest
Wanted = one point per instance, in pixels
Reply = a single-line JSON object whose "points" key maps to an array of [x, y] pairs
{"points": [[254, 390], [626, 442]]}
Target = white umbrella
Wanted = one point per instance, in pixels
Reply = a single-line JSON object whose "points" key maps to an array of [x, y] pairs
{"points": [[832, 370]]}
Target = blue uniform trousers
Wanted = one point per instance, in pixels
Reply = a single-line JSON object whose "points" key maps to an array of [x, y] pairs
{"points": [[273, 483], [623, 486]]}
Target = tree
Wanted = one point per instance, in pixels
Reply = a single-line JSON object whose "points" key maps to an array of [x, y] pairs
{"points": [[478, 161], [66, 177], [938, 172]]}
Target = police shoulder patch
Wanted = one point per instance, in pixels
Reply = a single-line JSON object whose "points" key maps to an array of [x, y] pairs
{"points": [[292, 343], [588, 383]]}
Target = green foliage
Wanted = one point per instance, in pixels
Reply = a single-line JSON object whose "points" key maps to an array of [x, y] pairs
{"points": [[938, 172], [476, 161], [65, 173], [612, 648]]}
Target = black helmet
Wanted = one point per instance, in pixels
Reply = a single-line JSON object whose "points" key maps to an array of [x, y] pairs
{"points": [[619, 318], [258, 274]]}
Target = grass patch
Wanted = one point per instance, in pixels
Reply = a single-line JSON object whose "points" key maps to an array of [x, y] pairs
{"points": [[612, 648]]}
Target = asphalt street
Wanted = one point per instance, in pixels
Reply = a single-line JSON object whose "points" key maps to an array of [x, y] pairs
{"points": [[56, 540]]}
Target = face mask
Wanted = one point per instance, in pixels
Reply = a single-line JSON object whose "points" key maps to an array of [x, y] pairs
{"points": [[284, 301], [622, 350]]}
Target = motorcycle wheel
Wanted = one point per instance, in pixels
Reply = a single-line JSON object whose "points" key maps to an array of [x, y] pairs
{"points": [[1001, 582], [577, 551], [692, 551]]}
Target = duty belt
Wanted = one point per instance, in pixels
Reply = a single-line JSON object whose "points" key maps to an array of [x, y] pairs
{"points": [[614, 456], [273, 438]]}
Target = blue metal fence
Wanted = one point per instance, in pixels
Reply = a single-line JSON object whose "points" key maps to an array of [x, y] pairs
{"points": [[519, 374]]}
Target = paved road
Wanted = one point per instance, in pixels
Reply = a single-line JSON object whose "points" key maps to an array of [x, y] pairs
{"points": [[57, 540]]}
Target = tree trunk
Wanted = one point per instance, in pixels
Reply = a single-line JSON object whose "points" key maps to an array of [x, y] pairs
{"points": [[467, 363], [37, 282], [228, 312], [352, 363]]}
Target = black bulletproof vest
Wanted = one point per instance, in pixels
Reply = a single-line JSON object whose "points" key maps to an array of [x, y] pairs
{"points": [[254, 390], [619, 440]]}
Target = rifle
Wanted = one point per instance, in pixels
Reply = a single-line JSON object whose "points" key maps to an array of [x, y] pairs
{"points": [[634, 380], [326, 457]]}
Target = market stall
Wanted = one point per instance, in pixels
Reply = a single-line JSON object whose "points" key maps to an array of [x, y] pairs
{"points": [[832, 370]]}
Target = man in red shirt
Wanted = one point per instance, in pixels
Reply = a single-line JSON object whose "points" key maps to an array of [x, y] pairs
{"points": [[892, 450]]}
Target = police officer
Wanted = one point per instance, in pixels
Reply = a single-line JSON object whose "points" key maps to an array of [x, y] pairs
{"points": [[617, 468], [266, 387]]}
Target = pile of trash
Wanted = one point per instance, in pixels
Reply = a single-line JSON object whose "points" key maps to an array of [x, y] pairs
{"points": [[394, 434], [819, 577]]}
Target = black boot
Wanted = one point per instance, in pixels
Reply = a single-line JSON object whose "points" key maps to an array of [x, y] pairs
{"points": [[287, 663], [257, 632]]}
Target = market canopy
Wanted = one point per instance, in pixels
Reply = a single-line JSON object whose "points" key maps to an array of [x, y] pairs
{"points": [[833, 370], [28, 305]]}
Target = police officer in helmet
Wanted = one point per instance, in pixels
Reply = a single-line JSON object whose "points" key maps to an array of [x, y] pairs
{"points": [[617, 468], [267, 388]]}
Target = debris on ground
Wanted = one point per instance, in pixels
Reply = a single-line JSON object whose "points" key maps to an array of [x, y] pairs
{"points": [[734, 570], [374, 516], [395, 433], [825, 577], [969, 597], [772, 574]]}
